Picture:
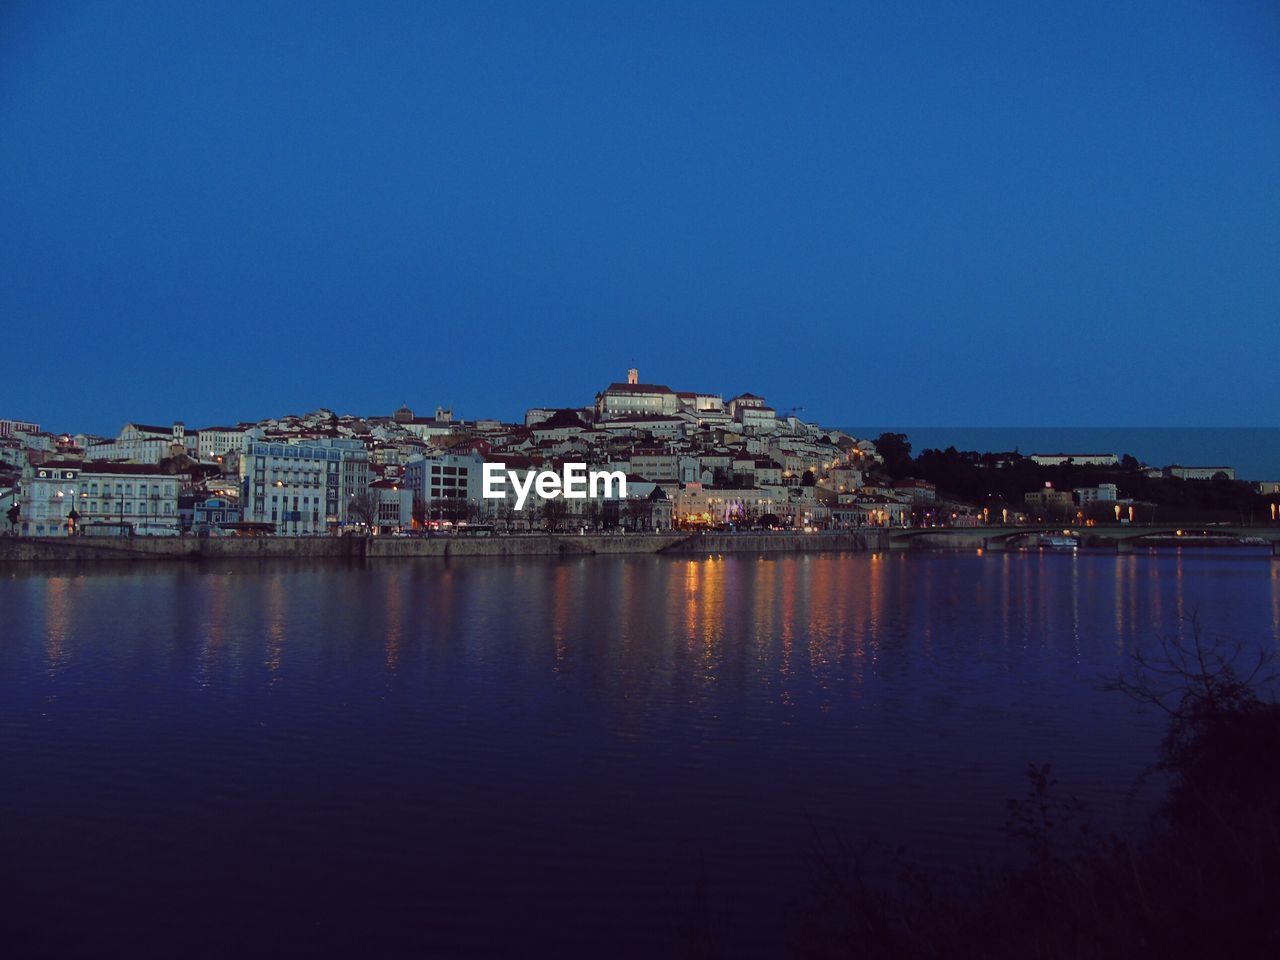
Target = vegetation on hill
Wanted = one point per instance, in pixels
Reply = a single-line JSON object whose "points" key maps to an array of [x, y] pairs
{"points": [[1201, 883], [991, 479]]}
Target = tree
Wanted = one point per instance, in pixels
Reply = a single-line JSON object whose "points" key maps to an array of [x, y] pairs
{"points": [[13, 513], [502, 512], [638, 513], [895, 451], [454, 508], [363, 509], [1196, 680], [419, 512], [554, 513], [530, 516]]}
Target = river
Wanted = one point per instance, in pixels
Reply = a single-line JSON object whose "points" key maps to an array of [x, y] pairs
{"points": [[596, 756]]}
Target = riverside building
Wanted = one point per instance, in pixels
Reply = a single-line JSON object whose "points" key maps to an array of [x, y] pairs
{"points": [[60, 498], [302, 487]]}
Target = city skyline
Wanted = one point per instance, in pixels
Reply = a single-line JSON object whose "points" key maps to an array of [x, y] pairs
{"points": [[1254, 450], [908, 215], [586, 479]]}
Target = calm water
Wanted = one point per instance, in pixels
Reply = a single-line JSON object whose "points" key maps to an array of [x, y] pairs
{"points": [[476, 758]]}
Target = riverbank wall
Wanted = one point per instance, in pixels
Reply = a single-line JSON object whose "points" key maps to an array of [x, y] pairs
{"points": [[714, 543], [24, 550]]}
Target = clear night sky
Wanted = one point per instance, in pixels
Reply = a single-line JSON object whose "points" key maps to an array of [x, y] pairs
{"points": [[952, 214]]}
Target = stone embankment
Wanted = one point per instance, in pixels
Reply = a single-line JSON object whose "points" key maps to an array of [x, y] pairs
{"points": [[712, 543], [52, 549]]}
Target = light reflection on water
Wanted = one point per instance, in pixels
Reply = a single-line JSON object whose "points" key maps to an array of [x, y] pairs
{"points": [[461, 757]]}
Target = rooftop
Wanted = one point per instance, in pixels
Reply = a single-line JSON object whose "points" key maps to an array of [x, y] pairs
{"points": [[638, 388]]}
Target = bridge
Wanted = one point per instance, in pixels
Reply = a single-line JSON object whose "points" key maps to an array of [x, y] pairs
{"points": [[1123, 538]]}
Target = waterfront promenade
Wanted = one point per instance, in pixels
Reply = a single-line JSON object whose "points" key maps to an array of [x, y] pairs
{"points": [[53, 549], [1119, 539]]}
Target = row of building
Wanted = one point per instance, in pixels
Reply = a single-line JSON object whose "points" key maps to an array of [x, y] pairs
{"points": [[691, 459]]}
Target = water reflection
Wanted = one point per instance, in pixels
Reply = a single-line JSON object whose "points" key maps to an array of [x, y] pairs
{"points": [[58, 613], [275, 622], [211, 625], [565, 735], [1275, 603]]}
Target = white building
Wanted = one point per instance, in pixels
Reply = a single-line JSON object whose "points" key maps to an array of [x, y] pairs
{"points": [[448, 476], [215, 442], [49, 495], [1076, 459], [10, 427], [659, 466], [1102, 493], [634, 398], [659, 428], [536, 415], [141, 443], [430, 429], [1201, 473], [43, 442], [135, 494], [757, 419], [304, 487], [844, 479], [700, 404], [394, 505], [59, 497], [917, 491], [12, 453], [872, 510]]}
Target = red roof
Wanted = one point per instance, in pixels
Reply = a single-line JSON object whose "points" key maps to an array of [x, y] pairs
{"points": [[638, 388], [111, 466], [643, 418]]}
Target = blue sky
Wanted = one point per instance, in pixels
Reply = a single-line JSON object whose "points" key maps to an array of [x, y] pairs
{"points": [[908, 213]]}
